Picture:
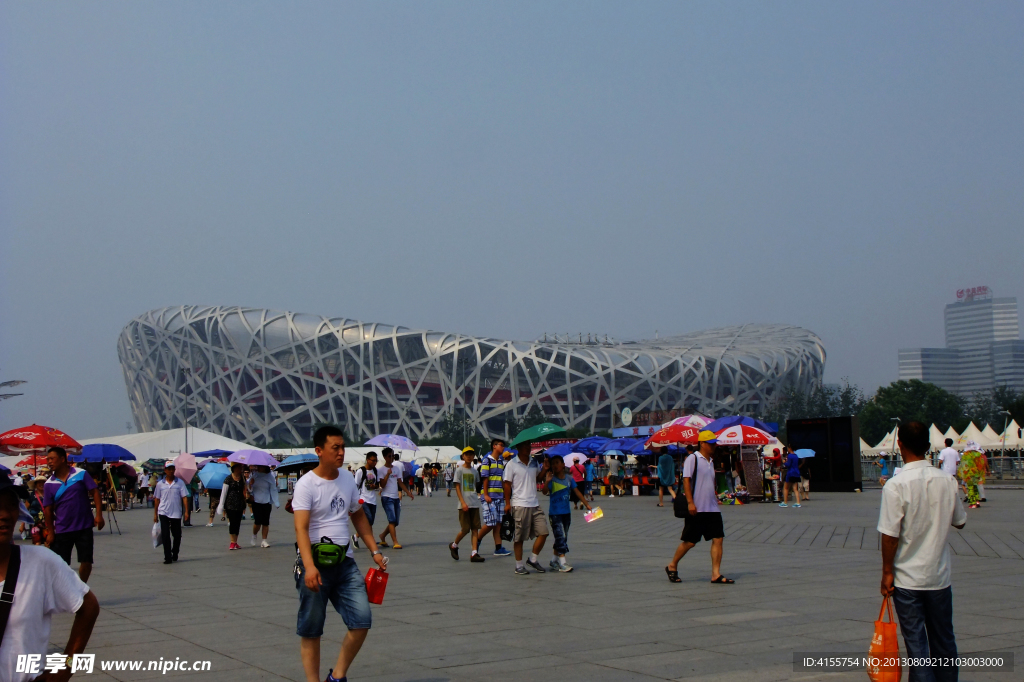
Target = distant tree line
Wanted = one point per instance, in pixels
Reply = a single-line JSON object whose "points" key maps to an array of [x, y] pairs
{"points": [[911, 400]]}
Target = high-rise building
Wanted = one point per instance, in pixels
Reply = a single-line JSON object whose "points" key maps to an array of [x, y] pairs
{"points": [[983, 347]]}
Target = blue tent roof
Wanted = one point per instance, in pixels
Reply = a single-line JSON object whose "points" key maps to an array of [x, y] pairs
{"points": [[590, 445], [561, 450]]}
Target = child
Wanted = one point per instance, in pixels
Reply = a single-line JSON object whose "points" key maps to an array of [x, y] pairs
{"points": [[561, 486], [466, 479]]}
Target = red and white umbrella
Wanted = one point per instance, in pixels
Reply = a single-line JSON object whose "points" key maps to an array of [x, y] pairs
{"points": [[698, 421], [37, 440], [677, 434], [744, 435], [32, 461]]}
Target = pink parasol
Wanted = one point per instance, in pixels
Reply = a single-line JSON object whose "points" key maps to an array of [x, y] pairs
{"points": [[185, 466]]}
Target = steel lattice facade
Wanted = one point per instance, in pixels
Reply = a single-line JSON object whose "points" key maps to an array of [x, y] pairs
{"points": [[258, 375]]}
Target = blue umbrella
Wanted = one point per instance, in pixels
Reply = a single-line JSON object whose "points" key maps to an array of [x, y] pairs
{"points": [[297, 462], [102, 452], [591, 445], [803, 454], [561, 450], [726, 422], [623, 444], [216, 454], [212, 475], [388, 440]]}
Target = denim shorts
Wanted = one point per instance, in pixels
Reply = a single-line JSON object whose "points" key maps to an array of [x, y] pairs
{"points": [[343, 585], [371, 512], [560, 530], [392, 508]]}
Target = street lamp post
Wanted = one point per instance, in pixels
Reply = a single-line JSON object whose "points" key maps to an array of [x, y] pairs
{"points": [[1006, 425], [895, 451], [187, 371]]}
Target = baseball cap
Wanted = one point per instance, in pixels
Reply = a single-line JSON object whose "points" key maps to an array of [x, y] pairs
{"points": [[169, 464], [707, 437], [469, 449]]}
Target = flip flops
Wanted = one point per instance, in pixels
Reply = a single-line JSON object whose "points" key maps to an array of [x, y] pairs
{"points": [[722, 580], [673, 576]]}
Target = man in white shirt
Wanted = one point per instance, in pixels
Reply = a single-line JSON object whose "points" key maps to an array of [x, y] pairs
{"points": [[520, 481], [705, 519], [45, 586], [366, 481], [949, 459], [392, 484], [168, 508], [918, 507], [326, 500]]}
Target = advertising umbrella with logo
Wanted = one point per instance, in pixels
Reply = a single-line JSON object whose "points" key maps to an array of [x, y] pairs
{"points": [[744, 435], [677, 434], [36, 439], [538, 432]]}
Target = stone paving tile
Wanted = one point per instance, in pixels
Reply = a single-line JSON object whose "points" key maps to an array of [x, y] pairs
{"points": [[616, 617]]}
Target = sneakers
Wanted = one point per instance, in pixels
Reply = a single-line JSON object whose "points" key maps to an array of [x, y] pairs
{"points": [[553, 564], [210, 524], [234, 545], [253, 542], [796, 506], [783, 504], [264, 544], [355, 541], [454, 549], [501, 551], [521, 570], [535, 566], [559, 568], [476, 559]]}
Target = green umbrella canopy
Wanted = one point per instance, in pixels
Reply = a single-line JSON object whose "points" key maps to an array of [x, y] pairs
{"points": [[536, 433]]}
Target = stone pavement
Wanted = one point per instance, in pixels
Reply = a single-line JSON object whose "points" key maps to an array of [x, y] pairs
{"points": [[807, 580]]}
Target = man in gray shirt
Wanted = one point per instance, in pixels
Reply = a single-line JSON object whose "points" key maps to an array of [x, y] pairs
{"points": [[705, 520]]}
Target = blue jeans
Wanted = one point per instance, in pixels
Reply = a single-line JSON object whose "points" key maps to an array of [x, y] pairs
{"points": [[926, 619], [392, 509], [371, 512], [342, 585], [560, 529]]}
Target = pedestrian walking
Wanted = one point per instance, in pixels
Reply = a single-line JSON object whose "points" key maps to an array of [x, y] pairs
{"points": [[561, 487], [613, 475], [170, 504], [263, 493], [326, 507], [590, 479], [971, 475], [521, 477], [791, 471], [704, 520], [368, 485], [448, 479], [69, 520], [918, 507], [579, 475], [466, 478], [391, 476], [666, 476], [37, 583], [233, 495], [949, 458], [805, 478], [214, 501], [492, 493]]}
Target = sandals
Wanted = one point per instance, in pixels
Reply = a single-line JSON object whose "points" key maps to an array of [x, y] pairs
{"points": [[660, 505], [397, 546], [673, 576], [382, 543], [722, 580]]}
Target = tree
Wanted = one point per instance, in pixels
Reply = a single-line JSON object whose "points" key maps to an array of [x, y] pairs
{"points": [[912, 400], [453, 429], [822, 401], [534, 417]]}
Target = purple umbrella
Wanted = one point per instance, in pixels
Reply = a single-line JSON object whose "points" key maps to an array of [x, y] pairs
{"points": [[253, 458], [387, 440]]}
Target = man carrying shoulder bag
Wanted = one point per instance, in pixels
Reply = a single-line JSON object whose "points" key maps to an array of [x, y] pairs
{"points": [[703, 518]]}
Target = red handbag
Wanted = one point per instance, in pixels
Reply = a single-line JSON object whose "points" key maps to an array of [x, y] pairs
{"points": [[376, 583]]}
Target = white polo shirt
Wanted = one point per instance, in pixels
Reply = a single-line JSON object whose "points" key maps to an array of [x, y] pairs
{"points": [[948, 460], [918, 507], [523, 478]]}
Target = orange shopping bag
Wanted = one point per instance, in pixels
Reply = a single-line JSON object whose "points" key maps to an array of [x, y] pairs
{"points": [[884, 654]]}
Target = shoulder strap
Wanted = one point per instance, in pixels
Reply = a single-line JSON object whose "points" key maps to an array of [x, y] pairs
{"points": [[10, 584]]}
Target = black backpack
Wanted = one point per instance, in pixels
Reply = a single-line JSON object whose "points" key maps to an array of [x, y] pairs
{"points": [[679, 505], [374, 485]]}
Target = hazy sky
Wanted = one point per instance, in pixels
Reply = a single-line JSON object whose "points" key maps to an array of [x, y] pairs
{"points": [[500, 169]]}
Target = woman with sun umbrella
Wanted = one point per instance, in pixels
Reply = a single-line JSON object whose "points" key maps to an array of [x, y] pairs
{"points": [[232, 502]]}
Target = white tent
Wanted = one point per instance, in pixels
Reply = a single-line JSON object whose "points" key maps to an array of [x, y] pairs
{"points": [[951, 433], [992, 439], [1013, 439], [355, 456], [972, 432], [865, 449], [169, 444], [936, 438], [888, 443]]}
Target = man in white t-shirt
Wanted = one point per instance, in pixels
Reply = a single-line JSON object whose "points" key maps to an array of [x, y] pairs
{"points": [[392, 484], [325, 500], [45, 586], [949, 459], [168, 508], [705, 519], [369, 486], [520, 481], [918, 508]]}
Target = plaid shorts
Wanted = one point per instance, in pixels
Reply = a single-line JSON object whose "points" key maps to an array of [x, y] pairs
{"points": [[491, 512]]}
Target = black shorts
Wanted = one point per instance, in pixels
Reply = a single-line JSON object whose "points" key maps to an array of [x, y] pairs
{"points": [[261, 514], [80, 540], [792, 479], [706, 524]]}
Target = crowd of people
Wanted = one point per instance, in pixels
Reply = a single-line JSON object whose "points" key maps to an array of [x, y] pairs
{"points": [[334, 508]]}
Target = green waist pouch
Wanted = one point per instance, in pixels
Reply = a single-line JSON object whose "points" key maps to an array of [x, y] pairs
{"points": [[327, 553]]}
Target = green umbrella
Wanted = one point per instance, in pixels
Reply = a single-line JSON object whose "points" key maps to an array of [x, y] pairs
{"points": [[536, 433]]}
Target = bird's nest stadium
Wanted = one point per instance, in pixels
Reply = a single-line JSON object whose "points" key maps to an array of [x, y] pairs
{"points": [[259, 375]]}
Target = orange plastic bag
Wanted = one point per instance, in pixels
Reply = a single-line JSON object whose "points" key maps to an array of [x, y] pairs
{"points": [[884, 654], [376, 583]]}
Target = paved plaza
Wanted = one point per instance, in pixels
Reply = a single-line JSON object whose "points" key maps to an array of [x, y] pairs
{"points": [[807, 580]]}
